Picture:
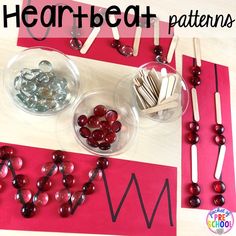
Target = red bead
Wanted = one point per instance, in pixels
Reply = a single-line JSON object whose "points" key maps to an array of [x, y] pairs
{"points": [[104, 146], [82, 120], [116, 126], [194, 189], [195, 81], [110, 137], [20, 181], [68, 181], [158, 50], [88, 188], [65, 209], [193, 137], [219, 187], [58, 157], [111, 116], [102, 163], [44, 184], [97, 135], [28, 210], [194, 126], [104, 124], [219, 129], [93, 122], [220, 139], [92, 142], [84, 132], [99, 110], [6, 152], [194, 201], [116, 43], [196, 70], [219, 200]]}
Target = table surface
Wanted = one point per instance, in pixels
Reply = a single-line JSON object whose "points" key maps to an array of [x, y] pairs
{"points": [[14, 123]]}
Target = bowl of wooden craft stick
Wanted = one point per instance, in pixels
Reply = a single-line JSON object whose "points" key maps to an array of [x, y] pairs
{"points": [[159, 92]]}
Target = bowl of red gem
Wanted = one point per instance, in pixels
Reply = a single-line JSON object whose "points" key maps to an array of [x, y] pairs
{"points": [[102, 127]]}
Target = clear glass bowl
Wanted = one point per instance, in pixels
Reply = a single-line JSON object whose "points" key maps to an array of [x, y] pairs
{"points": [[127, 115], [126, 86], [41, 80]]}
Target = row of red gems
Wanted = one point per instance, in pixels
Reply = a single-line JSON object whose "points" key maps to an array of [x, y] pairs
{"points": [[193, 138]]}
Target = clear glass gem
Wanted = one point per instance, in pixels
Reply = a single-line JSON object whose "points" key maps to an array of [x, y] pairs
{"points": [[76, 44], [3, 171], [16, 162], [125, 50], [95, 174], [63, 195], [66, 167], [45, 66], [49, 169], [77, 199], [41, 199], [23, 194]]}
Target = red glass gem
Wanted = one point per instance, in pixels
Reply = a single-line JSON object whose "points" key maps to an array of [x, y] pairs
{"points": [[102, 163], [23, 194], [66, 167], [195, 81], [41, 199], [194, 126], [116, 126], [7, 150], [92, 142], [111, 116], [219, 129], [110, 137], [76, 44], [28, 210], [194, 201], [88, 188], [44, 184], [99, 110], [219, 187], [65, 209], [20, 181], [116, 43], [125, 50], [97, 135], [196, 70], [58, 157], [158, 50], [82, 120], [194, 189], [104, 124], [84, 132], [193, 137], [104, 146], [93, 122], [220, 139], [68, 181], [219, 200]]}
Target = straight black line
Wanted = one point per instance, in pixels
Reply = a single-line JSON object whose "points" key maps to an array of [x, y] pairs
{"points": [[216, 78]]}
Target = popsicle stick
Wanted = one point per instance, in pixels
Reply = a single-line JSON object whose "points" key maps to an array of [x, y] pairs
{"points": [[156, 32], [220, 161], [90, 40], [195, 104], [172, 98], [197, 49], [171, 84], [156, 78], [218, 108], [172, 48], [137, 38], [115, 30], [194, 163], [146, 96], [140, 98], [164, 86], [160, 107]]}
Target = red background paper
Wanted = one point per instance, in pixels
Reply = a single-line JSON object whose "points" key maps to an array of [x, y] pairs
{"points": [[94, 215], [101, 48], [207, 149]]}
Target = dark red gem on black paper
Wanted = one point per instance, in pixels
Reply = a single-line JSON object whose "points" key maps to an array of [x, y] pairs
{"points": [[28, 210], [88, 188], [158, 50], [219, 186], [193, 137], [20, 181], [219, 200], [220, 139], [195, 81], [194, 189], [44, 184], [58, 157], [102, 163], [65, 209], [194, 201], [116, 43], [68, 181], [219, 129], [194, 126], [196, 70]]}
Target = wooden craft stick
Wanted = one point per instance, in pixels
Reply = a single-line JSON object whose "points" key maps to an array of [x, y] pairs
{"points": [[137, 38], [194, 163], [156, 32], [218, 108], [156, 78], [197, 49], [220, 161], [146, 96], [195, 104], [172, 98], [171, 84], [160, 107], [172, 48], [115, 30], [164, 85], [140, 98], [90, 40]]}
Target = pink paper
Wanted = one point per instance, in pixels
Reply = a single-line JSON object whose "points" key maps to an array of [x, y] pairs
{"points": [[207, 149], [101, 48], [133, 198]]}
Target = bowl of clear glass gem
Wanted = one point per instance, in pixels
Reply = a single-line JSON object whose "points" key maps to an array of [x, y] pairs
{"points": [[42, 80], [158, 92], [101, 127]]}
